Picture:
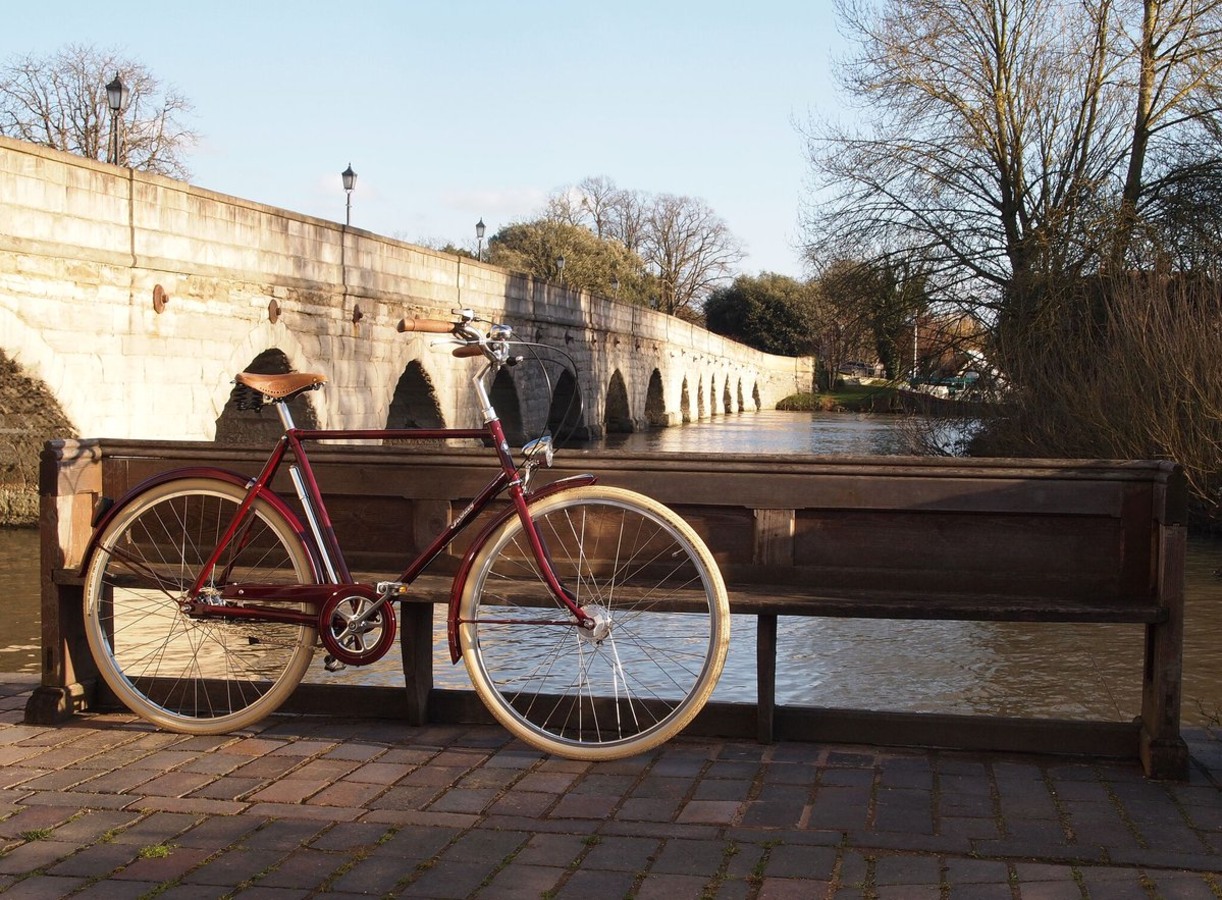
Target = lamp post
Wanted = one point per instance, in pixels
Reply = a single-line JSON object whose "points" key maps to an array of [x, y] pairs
{"points": [[560, 267], [116, 99], [479, 239], [349, 179]]}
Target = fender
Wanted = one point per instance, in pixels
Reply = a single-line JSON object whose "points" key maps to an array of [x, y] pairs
{"points": [[233, 478], [464, 568]]}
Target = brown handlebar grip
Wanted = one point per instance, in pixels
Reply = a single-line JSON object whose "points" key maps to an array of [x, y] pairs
{"points": [[469, 350], [432, 326]]}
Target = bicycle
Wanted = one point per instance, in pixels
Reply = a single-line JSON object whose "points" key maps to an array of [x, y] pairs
{"points": [[593, 621]]}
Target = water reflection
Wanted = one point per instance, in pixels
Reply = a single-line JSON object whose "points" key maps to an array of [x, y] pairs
{"points": [[771, 431], [19, 600]]}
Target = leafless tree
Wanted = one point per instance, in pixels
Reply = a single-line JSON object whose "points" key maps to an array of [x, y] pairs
{"points": [[691, 248], [59, 101], [688, 249], [1016, 143]]}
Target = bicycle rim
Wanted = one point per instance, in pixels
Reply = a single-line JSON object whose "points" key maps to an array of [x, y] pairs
{"points": [[658, 646], [200, 676]]}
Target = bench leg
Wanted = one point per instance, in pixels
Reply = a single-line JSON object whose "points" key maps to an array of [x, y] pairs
{"points": [[765, 676], [1164, 755], [416, 645], [69, 677]]}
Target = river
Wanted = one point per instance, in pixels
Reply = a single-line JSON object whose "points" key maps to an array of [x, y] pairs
{"points": [[995, 668]]}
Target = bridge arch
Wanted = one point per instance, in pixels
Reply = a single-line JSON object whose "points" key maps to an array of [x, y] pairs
{"points": [[29, 417], [564, 413], [265, 338], [504, 396], [34, 358], [617, 413], [414, 401], [236, 425], [655, 402]]}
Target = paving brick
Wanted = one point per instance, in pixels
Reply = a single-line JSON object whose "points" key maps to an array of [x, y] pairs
{"points": [[176, 863], [235, 866], [27, 857], [599, 885], [620, 854], [687, 857], [95, 860], [795, 861], [555, 850], [668, 886], [374, 875], [41, 887], [219, 832], [306, 868], [519, 881]]}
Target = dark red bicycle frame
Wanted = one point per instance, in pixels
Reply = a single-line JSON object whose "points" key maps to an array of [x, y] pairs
{"points": [[329, 550]]}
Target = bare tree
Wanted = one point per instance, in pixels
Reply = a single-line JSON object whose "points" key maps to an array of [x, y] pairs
{"points": [[1177, 54], [608, 211], [691, 247], [59, 101], [687, 247], [1005, 140]]}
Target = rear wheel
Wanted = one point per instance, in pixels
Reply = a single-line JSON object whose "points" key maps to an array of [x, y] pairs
{"points": [[202, 675], [662, 625]]}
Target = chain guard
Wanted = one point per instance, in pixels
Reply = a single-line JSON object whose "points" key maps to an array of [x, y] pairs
{"points": [[364, 644]]}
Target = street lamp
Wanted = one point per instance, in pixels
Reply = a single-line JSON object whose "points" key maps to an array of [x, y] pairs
{"points": [[349, 179], [560, 267], [116, 99], [479, 239]]}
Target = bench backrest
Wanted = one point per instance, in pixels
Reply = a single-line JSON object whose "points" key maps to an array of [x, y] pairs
{"points": [[1077, 531]]}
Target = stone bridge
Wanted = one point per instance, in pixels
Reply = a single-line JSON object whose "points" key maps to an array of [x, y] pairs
{"points": [[135, 299]]}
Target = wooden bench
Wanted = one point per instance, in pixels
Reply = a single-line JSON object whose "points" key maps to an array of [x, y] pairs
{"points": [[1046, 541]]}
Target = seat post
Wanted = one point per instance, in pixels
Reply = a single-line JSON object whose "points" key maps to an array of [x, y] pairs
{"points": [[286, 417]]}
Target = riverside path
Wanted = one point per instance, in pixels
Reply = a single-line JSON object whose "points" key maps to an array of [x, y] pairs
{"points": [[106, 806]]}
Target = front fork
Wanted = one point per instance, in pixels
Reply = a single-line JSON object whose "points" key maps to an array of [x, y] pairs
{"points": [[563, 595]]}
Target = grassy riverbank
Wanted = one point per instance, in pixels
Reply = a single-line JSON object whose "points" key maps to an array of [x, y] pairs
{"points": [[881, 397]]}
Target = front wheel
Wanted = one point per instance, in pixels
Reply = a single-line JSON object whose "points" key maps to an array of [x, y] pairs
{"points": [[193, 675], [662, 625]]}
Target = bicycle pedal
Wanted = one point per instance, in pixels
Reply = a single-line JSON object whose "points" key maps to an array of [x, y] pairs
{"points": [[331, 664]]}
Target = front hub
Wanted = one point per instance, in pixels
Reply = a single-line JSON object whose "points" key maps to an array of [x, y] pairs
{"points": [[600, 629]]}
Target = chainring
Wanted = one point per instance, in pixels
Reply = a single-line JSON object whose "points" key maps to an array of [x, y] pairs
{"points": [[349, 639]]}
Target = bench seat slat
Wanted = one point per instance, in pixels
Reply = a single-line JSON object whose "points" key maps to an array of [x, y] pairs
{"points": [[785, 601]]}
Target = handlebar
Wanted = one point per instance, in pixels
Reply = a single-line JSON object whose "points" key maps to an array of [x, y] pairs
{"points": [[471, 336], [432, 326], [493, 344]]}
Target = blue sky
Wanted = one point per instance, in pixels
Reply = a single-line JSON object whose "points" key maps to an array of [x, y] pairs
{"points": [[451, 112]]}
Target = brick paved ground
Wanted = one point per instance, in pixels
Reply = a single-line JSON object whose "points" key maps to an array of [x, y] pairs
{"points": [[332, 808]]}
